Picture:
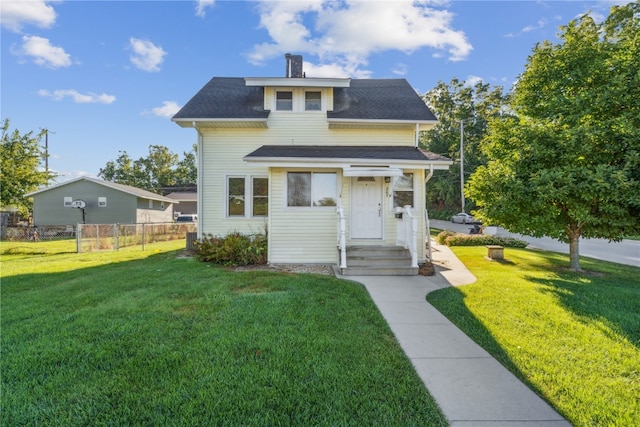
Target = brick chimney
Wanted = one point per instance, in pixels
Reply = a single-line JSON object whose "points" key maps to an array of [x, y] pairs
{"points": [[294, 66]]}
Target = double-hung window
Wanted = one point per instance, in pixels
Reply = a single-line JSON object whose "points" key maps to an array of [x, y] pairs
{"points": [[311, 189], [247, 196], [403, 191], [312, 101], [284, 101]]}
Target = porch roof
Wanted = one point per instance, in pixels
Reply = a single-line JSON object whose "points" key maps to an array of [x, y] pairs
{"points": [[347, 156]]}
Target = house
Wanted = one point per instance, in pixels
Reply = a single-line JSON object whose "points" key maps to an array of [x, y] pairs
{"points": [[187, 202], [94, 201], [329, 166]]}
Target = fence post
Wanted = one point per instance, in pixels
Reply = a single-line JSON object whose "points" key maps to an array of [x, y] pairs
{"points": [[116, 237], [143, 236], [79, 238]]}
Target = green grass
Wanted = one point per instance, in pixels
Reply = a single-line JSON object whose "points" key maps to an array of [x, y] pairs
{"points": [[574, 338], [149, 338]]}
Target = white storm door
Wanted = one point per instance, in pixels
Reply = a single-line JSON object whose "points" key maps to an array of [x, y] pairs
{"points": [[366, 207]]}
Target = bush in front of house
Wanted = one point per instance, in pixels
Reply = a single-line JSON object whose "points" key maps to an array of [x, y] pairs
{"points": [[450, 238], [233, 249]]}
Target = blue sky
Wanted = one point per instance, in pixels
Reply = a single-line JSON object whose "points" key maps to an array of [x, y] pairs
{"points": [[106, 76]]}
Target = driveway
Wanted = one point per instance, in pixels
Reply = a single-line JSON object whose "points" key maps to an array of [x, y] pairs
{"points": [[624, 252]]}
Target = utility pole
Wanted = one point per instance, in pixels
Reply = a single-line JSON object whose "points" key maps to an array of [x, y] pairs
{"points": [[462, 164]]}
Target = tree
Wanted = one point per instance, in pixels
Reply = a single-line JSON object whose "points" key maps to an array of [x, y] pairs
{"points": [[567, 164], [159, 170], [453, 103], [186, 172], [20, 159]]}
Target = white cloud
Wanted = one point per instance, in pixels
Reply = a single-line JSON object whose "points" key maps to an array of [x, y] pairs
{"points": [[77, 97], [146, 55], [346, 33], [473, 80], [15, 14], [202, 5], [539, 25], [43, 53], [400, 69], [168, 109]]}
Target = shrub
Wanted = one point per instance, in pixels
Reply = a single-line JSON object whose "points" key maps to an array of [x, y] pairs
{"points": [[233, 249], [459, 239], [442, 236]]}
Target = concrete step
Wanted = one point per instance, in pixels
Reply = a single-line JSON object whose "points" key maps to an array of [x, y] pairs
{"points": [[378, 261], [380, 270]]}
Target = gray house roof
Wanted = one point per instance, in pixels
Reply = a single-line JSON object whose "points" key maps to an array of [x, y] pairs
{"points": [[404, 153], [120, 187], [225, 98], [364, 99], [379, 99]]}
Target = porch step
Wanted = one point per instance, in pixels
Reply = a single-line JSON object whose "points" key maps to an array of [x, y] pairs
{"points": [[378, 261]]}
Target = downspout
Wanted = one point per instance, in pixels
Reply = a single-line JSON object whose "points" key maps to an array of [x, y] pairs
{"points": [[199, 180]]}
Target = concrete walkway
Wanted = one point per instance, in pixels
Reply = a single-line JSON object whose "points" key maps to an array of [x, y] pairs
{"points": [[470, 386]]}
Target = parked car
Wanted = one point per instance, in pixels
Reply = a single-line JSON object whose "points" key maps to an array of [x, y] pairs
{"points": [[463, 218], [187, 218]]}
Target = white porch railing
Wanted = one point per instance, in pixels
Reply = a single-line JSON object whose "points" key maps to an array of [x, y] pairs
{"points": [[342, 237], [407, 233]]}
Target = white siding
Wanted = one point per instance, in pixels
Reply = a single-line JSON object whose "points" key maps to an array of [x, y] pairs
{"points": [[297, 235]]}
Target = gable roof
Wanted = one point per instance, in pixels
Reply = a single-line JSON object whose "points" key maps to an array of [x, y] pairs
{"points": [[379, 99], [138, 192], [225, 98], [232, 98]]}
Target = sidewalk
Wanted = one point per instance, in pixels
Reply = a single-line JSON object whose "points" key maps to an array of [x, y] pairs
{"points": [[470, 386]]}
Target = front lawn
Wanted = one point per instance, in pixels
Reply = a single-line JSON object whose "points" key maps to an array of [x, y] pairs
{"points": [[574, 338], [150, 338]]}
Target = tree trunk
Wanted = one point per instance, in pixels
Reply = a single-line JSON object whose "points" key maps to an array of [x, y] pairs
{"points": [[574, 251]]}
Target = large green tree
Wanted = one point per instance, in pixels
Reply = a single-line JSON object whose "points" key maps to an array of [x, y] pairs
{"points": [[459, 106], [159, 170], [20, 171], [567, 164]]}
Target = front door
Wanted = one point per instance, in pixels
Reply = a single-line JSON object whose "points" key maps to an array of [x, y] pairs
{"points": [[366, 207]]}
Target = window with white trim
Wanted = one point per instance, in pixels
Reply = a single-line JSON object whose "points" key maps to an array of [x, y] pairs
{"points": [[68, 201], [312, 189], [403, 191], [312, 101], [284, 100], [247, 196]]}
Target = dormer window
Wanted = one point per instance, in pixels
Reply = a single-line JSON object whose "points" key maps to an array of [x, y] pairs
{"points": [[312, 101], [284, 101]]}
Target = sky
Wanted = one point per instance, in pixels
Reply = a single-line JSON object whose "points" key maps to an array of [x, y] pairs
{"points": [[107, 76]]}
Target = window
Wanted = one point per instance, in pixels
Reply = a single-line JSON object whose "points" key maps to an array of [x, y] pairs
{"points": [[102, 202], [403, 191], [247, 196], [150, 204], [235, 200], [260, 196], [312, 101], [68, 201], [284, 101], [311, 189]]}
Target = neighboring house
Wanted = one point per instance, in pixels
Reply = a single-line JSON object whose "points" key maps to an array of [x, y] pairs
{"points": [[104, 203], [187, 202], [326, 165]]}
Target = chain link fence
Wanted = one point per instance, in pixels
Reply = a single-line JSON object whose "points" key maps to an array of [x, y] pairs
{"points": [[102, 237]]}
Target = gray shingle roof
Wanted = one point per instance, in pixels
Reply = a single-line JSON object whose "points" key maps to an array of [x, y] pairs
{"points": [[138, 192], [310, 152], [382, 99], [225, 98], [365, 99]]}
